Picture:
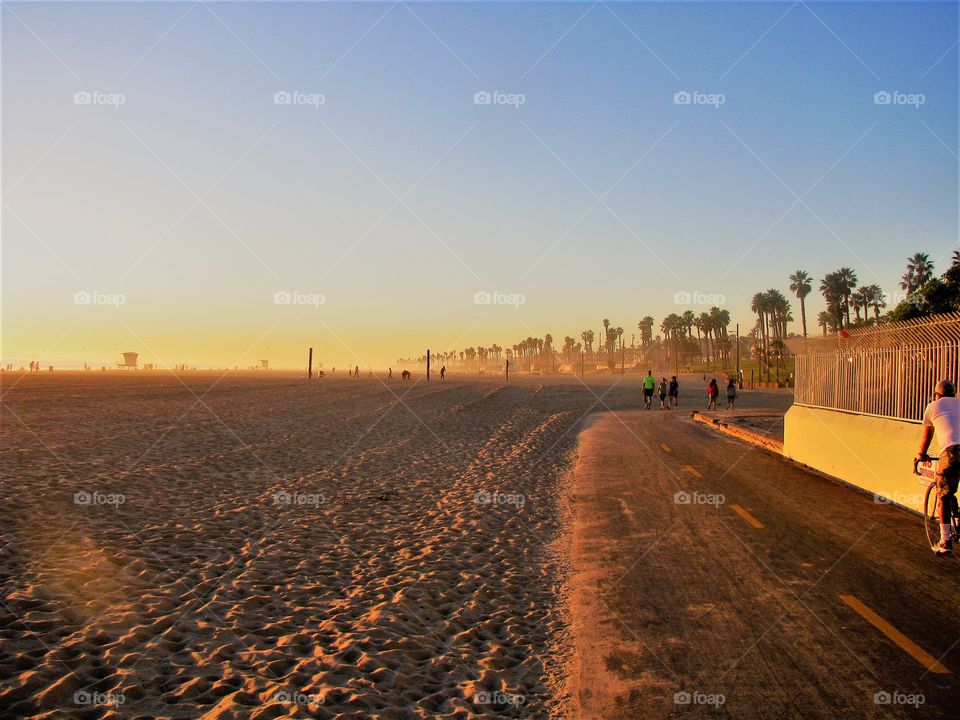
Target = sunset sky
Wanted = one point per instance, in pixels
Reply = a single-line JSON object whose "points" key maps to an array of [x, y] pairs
{"points": [[159, 198]]}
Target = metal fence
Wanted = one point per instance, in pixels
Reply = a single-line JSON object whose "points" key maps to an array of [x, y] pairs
{"points": [[889, 370]]}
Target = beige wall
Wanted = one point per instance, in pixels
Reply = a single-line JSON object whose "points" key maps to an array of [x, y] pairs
{"points": [[873, 453]]}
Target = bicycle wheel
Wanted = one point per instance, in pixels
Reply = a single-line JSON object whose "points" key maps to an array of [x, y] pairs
{"points": [[931, 514]]}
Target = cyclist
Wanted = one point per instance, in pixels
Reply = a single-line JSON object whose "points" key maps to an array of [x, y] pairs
{"points": [[942, 417]]}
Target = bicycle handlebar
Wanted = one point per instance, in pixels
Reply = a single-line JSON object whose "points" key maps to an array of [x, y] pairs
{"points": [[925, 459]]}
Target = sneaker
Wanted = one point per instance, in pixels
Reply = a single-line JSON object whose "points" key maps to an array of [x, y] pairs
{"points": [[943, 548]]}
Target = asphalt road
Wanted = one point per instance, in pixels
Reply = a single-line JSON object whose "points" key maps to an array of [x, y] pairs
{"points": [[773, 593]]}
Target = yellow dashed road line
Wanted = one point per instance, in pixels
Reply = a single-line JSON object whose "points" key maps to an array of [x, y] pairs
{"points": [[901, 640], [746, 516]]}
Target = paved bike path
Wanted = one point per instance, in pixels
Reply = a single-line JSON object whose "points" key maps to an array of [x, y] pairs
{"points": [[785, 593]]}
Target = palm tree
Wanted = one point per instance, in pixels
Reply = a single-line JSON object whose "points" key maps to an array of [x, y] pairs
{"points": [[831, 287], [876, 299], [824, 320], [800, 286], [919, 273], [758, 304], [847, 280]]}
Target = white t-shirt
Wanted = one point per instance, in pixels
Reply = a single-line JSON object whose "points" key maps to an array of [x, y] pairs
{"points": [[943, 416]]}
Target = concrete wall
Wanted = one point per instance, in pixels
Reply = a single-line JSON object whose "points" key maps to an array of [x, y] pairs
{"points": [[873, 453]]}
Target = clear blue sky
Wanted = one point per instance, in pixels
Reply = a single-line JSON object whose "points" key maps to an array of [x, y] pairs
{"points": [[503, 198]]}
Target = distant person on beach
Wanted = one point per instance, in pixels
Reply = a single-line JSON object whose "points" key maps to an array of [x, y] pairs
{"points": [[674, 392], [405, 375], [713, 390], [649, 382], [389, 373], [731, 394], [663, 394], [942, 417], [443, 371], [356, 371]]}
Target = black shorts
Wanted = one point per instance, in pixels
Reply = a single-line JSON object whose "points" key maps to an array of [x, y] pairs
{"points": [[648, 393]]}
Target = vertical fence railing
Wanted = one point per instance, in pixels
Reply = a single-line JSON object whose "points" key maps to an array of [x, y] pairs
{"points": [[888, 371]]}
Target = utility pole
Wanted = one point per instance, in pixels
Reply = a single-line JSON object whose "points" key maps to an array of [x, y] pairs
{"points": [[506, 370], [621, 357], [739, 380], [310, 364], [428, 364]]}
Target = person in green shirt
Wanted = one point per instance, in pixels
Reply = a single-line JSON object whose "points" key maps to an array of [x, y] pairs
{"points": [[649, 383]]}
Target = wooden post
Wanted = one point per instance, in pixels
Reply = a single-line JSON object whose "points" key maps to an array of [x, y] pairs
{"points": [[310, 364], [751, 378], [428, 363], [506, 370], [621, 357], [581, 364], [739, 383]]}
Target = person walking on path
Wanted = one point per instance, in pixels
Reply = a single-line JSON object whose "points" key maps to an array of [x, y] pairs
{"points": [[649, 382], [443, 372], [389, 373], [356, 371], [663, 394], [713, 390], [674, 391], [731, 394]]}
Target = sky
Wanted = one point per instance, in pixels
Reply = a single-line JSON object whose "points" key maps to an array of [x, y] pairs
{"points": [[219, 183]]}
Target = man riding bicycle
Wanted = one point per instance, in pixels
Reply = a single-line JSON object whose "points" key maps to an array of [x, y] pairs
{"points": [[942, 417]]}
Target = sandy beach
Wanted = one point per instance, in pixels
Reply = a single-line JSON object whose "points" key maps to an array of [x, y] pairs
{"points": [[263, 546]]}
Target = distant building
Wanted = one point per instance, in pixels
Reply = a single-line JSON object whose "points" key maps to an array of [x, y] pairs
{"points": [[129, 360]]}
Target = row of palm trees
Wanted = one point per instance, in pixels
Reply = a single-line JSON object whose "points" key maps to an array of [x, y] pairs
{"points": [[842, 295]]}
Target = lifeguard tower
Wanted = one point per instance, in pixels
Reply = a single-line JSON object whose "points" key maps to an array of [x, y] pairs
{"points": [[129, 361]]}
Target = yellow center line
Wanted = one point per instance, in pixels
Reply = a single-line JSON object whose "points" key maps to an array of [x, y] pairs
{"points": [[665, 447], [693, 471], [746, 516], [901, 640]]}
